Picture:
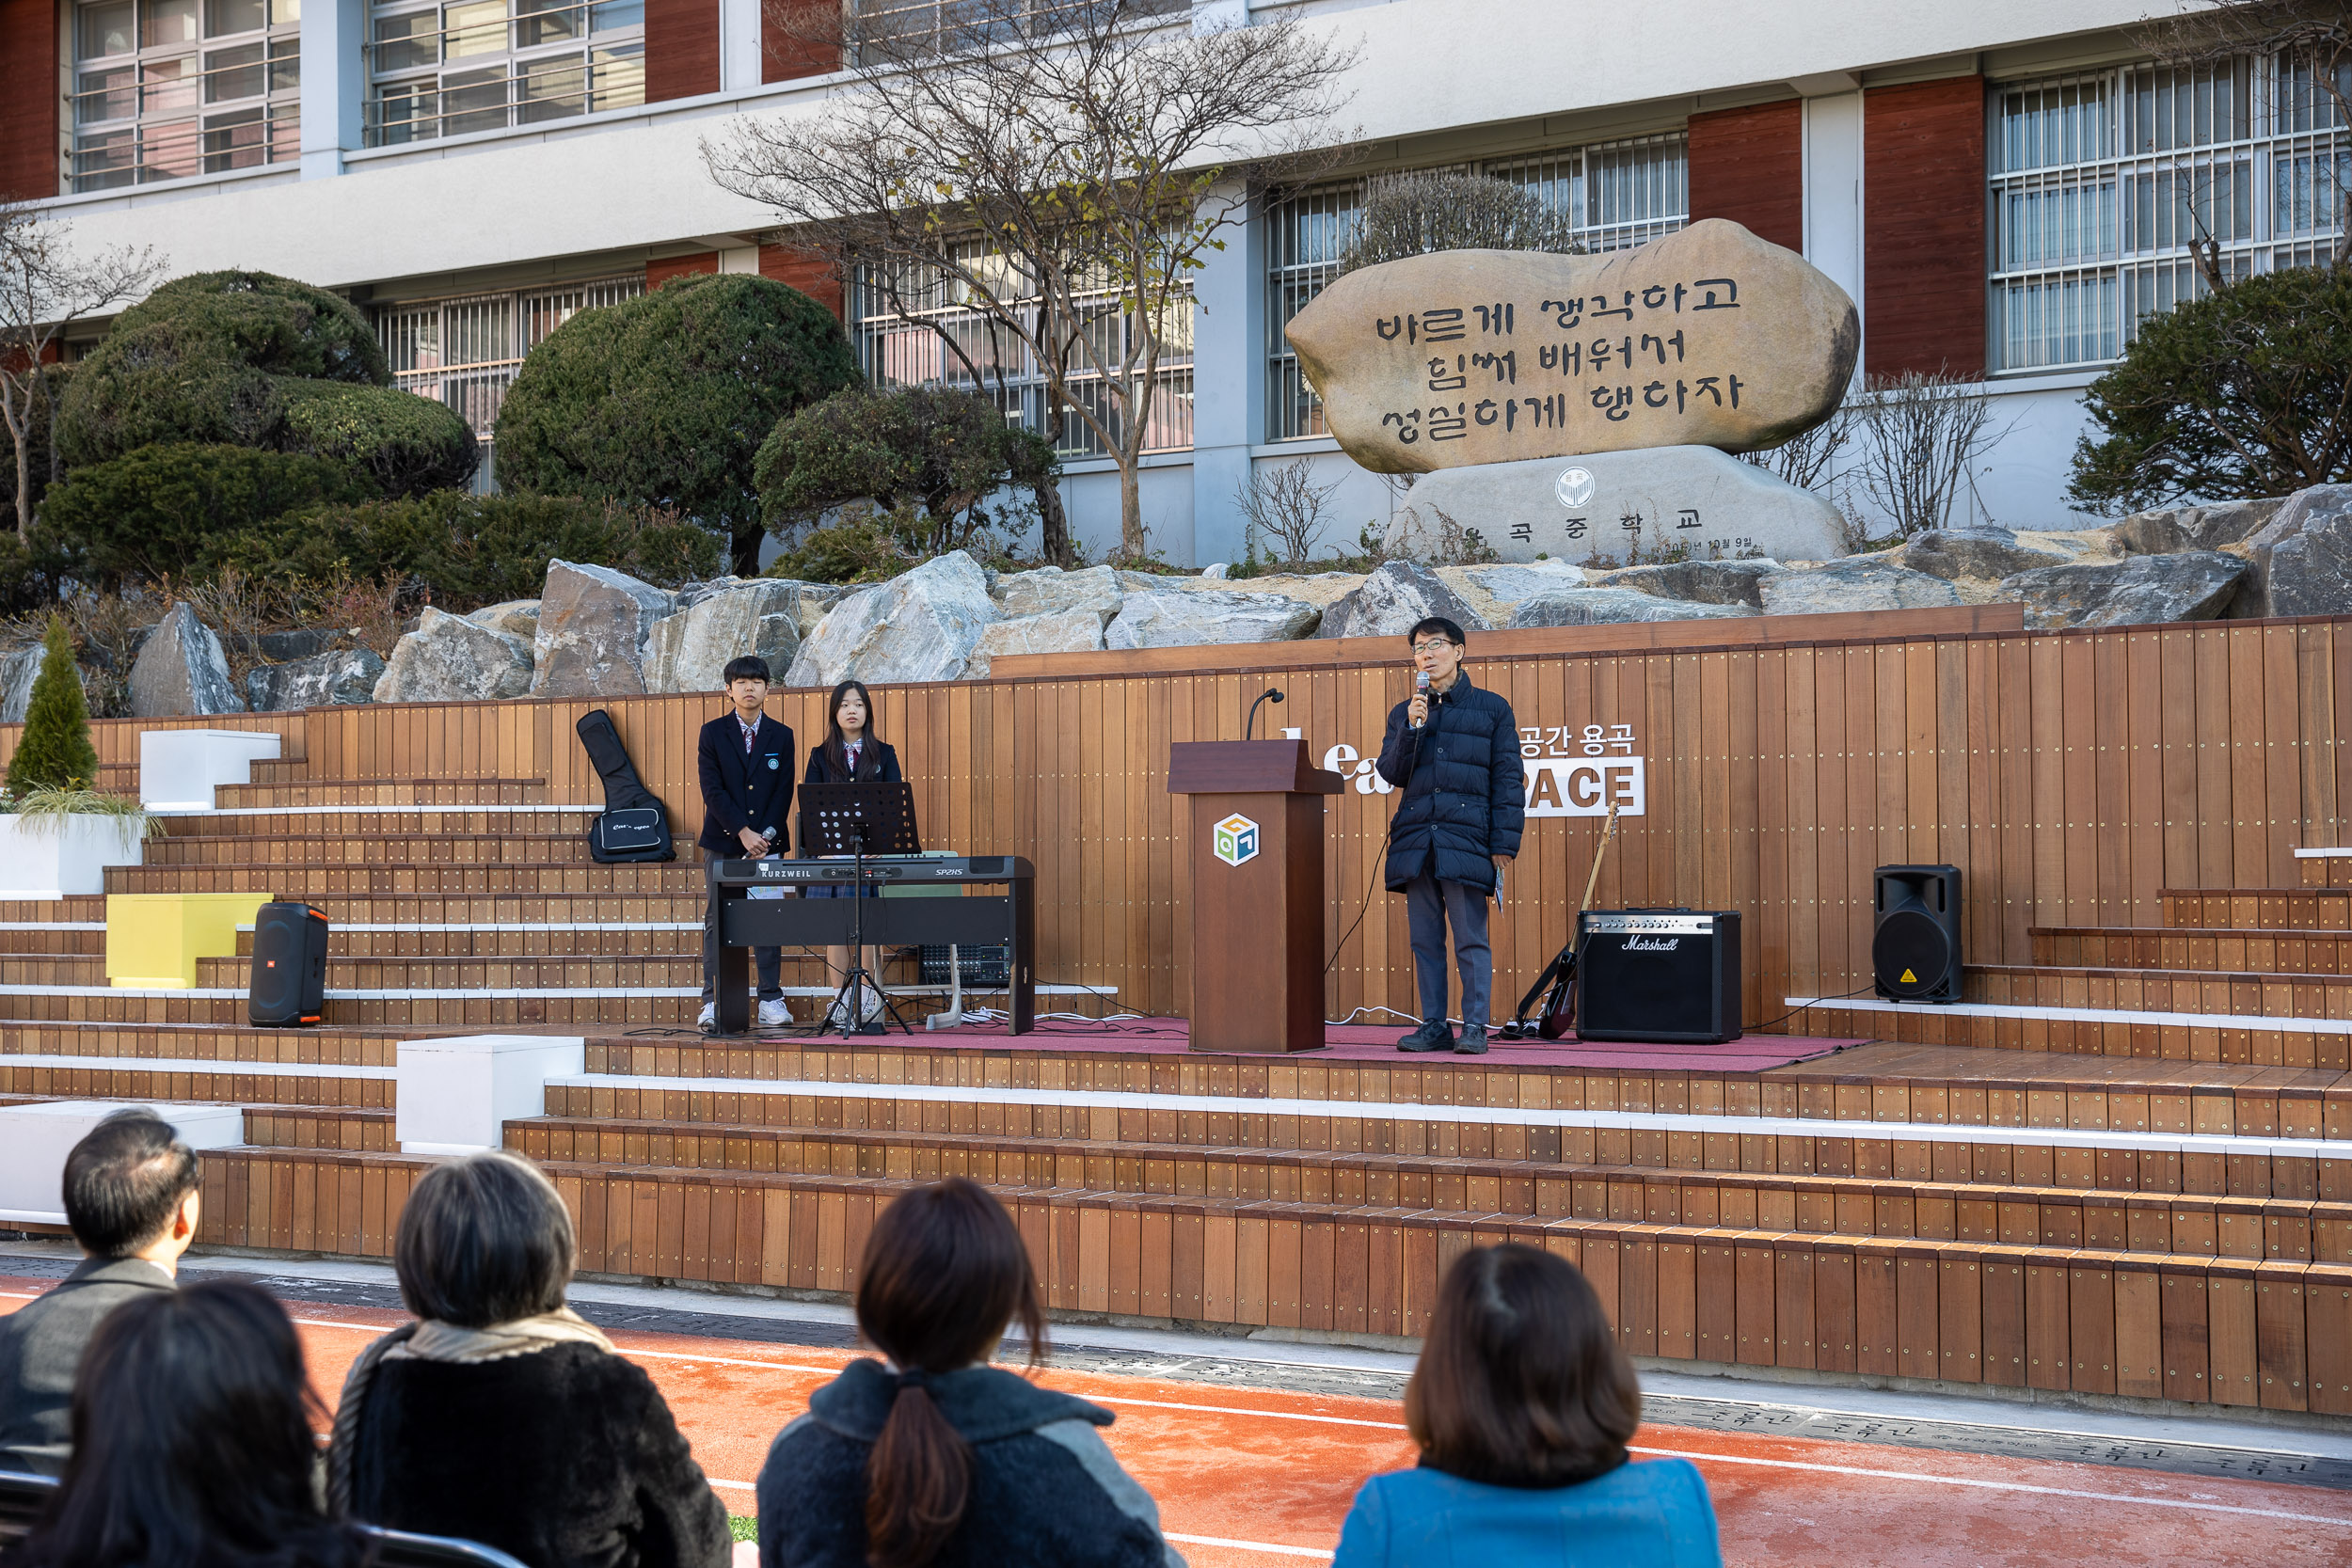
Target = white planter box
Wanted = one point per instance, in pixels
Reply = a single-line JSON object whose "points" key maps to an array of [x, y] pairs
{"points": [[52, 859], [179, 768], [456, 1096], [35, 1140]]}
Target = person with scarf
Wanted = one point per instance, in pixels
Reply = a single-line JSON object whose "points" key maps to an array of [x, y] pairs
{"points": [[501, 1416]]}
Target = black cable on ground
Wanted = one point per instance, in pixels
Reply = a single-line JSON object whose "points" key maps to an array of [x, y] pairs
{"points": [[1815, 1002]]}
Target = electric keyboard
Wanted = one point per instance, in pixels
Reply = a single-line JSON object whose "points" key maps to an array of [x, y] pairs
{"points": [[885, 870]]}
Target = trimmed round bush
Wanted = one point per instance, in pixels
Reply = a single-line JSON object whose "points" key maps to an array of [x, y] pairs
{"points": [[408, 445], [169, 509], [662, 402], [943, 448]]}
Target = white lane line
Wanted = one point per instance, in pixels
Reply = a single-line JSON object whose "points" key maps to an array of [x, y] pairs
{"points": [[1236, 1410], [2082, 1015], [1248, 1546], [2191, 1505], [739, 1485], [225, 1068]]}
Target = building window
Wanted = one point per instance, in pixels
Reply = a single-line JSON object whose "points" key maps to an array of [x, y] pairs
{"points": [[442, 70], [2103, 184], [912, 352], [1616, 194], [465, 352], [166, 88]]}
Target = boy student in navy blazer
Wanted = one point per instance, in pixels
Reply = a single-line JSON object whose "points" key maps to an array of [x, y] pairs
{"points": [[1454, 752], [745, 760]]}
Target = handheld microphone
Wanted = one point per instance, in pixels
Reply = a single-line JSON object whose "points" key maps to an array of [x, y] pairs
{"points": [[1421, 685]]}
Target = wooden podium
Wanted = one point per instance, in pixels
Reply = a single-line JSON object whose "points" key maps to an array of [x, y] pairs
{"points": [[1257, 897]]}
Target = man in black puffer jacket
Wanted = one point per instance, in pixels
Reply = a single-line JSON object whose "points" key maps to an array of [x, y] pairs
{"points": [[1453, 752]]}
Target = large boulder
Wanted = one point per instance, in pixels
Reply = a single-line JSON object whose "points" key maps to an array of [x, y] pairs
{"points": [[515, 617], [1597, 607], [1050, 591], [2195, 585], [1604, 508], [1177, 618], [922, 626], [2300, 561], [721, 621], [182, 671], [1723, 340], [19, 669], [1060, 631], [449, 658], [591, 637], [1861, 582], [1700, 581], [1394, 599], [1974, 552], [2171, 530], [334, 678]]}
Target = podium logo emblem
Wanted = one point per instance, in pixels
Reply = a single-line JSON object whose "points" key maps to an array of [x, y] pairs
{"points": [[1236, 840]]}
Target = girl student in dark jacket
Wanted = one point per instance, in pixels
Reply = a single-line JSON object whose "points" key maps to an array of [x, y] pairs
{"points": [[851, 754], [503, 1417], [1453, 751], [935, 1459]]}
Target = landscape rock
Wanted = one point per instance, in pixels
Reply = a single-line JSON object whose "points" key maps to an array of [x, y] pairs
{"points": [[2171, 529], [1693, 498], [1050, 591], [19, 669], [1320, 589], [1494, 592], [182, 671], [688, 651], [336, 677], [1595, 607], [1178, 618], [1217, 571], [1415, 378], [922, 626], [515, 617], [2194, 585], [1060, 631], [1393, 600], [1978, 553], [284, 646], [593, 627], [1700, 581], [2300, 561], [1859, 582], [449, 658]]}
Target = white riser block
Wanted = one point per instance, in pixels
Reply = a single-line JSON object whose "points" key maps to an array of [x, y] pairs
{"points": [[34, 1139], [179, 769], [67, 858], [454, 1096]]}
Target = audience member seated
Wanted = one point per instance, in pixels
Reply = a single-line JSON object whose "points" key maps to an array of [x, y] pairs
{"points": [[1522, 1405], [193, 1445], [132, 1201], [502, 1416], [938, 1458]]}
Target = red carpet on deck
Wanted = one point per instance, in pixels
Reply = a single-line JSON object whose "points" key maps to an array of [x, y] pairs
{"points": [[1365, 1043]]}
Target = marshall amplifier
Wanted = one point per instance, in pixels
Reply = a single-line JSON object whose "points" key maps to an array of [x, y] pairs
{"points": [[1658, 974]]}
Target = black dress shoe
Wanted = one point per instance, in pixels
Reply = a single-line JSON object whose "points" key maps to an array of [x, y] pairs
{"points": [[1438, 1036], [1472, 1043]]}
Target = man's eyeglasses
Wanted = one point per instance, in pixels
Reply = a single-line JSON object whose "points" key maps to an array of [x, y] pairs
{"points": [[1431, 648]]}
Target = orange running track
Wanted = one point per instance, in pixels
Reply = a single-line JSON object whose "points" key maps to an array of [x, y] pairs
{"points": [[1248, 1478]]}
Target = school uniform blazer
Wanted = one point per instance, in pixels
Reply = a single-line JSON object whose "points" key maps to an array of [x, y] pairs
{"points": [[740, 791], [877, 761]]}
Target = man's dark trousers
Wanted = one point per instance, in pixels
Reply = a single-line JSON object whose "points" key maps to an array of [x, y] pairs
{"points": [[768, 961], [1430, 907]]}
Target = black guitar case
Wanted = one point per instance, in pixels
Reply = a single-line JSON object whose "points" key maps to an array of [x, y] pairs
{"points": [[633, 825]]}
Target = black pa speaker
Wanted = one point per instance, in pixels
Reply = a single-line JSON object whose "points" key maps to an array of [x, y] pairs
{"points": [[1914, 949], [289, 980], [1666, 975]]}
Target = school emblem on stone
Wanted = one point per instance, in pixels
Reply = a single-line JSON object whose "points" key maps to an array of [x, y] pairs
{"points": [[1575, 487]]}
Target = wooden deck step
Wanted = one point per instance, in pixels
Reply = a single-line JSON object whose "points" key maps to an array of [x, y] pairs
{"points": [[344, 1129], [2300, 908], [519, 879], [296, 789], [2221, 950], [363, 846], [390, 823]]}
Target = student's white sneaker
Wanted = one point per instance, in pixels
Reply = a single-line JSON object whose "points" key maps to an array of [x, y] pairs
{"points": [[707, 1019], [774, 1014]]}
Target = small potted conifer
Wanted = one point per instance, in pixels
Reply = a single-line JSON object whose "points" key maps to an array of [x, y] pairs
{"points": [[57, 833]]}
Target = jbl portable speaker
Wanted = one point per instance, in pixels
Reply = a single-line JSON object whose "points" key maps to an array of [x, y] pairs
{"points": [[289, 981], [633, 825], [1666, 975]]}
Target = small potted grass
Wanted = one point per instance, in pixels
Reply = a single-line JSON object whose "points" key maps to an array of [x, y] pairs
{"points": [[57, 834]]}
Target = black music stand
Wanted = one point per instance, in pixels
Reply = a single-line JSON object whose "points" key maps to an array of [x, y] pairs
{"points": [[871, 817]]}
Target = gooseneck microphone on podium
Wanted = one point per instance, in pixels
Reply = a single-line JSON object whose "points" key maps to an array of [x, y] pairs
{"points": [[1271, 694]]}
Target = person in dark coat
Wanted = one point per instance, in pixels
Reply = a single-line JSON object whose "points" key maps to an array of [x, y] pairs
{"points": [[1453, 751], [744, 759], [851, 754], [131, 1199], [503, 1417], [936, 1459]]}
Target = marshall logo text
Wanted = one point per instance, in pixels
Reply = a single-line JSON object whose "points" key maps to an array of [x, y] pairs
{"points": [[1651, 945]]}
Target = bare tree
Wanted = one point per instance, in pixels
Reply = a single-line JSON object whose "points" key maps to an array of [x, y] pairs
{"points": [[1920, 434], [1412, 215], [1282, 502], [45, 288], [1808, 460], [1036, 181], [2312, 42]]}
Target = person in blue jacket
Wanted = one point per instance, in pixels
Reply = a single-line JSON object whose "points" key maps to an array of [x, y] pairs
{"points": [[1453, 751], [1522, 1404]]}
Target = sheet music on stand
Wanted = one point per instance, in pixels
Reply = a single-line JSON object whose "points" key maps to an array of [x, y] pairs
{"points": [[832, 813]]}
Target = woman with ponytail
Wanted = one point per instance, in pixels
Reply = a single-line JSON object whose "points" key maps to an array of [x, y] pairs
{"points": [[933, 1458]]}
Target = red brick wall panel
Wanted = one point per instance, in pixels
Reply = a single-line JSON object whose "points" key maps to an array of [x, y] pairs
{"points": [[1748, 166], [29, 99], [1923, 269], [681, 47], [658, 272], [805, 271], [792, 41]]}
